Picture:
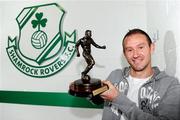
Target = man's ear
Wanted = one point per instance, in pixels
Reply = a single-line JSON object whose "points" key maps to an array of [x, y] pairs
{"points": [[152, 46]]}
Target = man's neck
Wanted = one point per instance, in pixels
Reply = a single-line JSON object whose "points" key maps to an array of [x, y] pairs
{"points": [[142, 74]]}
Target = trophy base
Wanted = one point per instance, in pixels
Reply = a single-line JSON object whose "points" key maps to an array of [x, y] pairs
{"points": [[88, 89]]}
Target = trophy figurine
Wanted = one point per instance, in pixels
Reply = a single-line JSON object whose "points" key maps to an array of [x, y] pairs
{"points": [[86, 86]]}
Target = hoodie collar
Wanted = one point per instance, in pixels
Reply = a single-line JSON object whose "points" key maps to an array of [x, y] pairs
{"points": [[156, 74]]}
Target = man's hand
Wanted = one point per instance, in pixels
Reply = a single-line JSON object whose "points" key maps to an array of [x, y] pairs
{"points": [[111, 93]]}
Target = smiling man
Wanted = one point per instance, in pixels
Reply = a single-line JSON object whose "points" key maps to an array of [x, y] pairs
{"points": [[140, 91]]}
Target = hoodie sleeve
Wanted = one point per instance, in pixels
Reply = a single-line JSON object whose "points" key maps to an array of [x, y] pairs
{"points": [[169, 107]]}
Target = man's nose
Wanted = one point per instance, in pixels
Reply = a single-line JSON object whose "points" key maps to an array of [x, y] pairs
{"points": [[135, 53]]}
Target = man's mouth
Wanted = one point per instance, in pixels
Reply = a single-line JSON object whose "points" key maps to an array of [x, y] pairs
{"points": [[137, 61]]}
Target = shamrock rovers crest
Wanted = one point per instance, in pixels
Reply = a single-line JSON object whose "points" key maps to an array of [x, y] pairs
{"points": [[42, 49]]}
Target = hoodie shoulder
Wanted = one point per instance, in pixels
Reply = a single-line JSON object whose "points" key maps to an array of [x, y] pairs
{"points": [[166, 78], [118, 74], [166, 83], [115, 75]]}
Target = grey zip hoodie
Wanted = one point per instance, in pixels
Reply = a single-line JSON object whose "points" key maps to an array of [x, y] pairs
{"points": [[158, 98]]}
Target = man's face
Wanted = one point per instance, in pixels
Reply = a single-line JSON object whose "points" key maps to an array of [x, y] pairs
{"points": [[138, 52]]}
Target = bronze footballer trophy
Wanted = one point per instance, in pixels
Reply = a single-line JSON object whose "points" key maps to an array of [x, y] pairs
{"points": [[86, 86]]}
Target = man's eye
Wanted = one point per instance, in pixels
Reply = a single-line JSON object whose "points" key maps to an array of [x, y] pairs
{"points": [[129, 50], [141, 47]]}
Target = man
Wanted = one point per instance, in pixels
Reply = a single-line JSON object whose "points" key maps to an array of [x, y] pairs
{"points": [[85, 43], [140, 91]]}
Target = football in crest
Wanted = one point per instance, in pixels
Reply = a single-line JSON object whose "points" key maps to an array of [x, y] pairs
{"points": [[39, 39]]}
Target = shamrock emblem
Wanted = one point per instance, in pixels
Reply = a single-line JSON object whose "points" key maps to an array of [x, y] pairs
{"points": [[39, 21]]}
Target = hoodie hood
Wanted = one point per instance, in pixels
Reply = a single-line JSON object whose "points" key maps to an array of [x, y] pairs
{"points": [[157, 73]]}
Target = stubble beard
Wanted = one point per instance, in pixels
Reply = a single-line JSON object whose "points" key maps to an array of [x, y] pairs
{"points": [[140, 67]]}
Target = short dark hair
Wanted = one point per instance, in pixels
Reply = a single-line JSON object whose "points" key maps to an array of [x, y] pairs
{"points": [[87, 31], [137, 31]]}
